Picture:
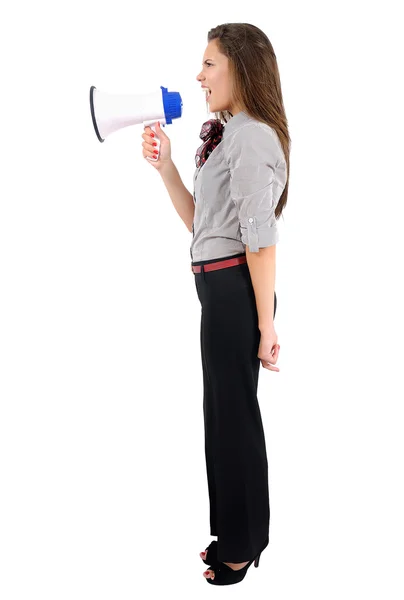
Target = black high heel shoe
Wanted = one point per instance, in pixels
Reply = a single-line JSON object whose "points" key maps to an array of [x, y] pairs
{"points": [[211, 556], [225, 575]]}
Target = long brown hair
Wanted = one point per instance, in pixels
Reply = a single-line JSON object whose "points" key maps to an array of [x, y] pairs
{"points": [[256, 82]]}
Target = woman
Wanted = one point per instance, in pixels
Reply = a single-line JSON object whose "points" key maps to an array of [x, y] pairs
{"points": [[238, 195]]}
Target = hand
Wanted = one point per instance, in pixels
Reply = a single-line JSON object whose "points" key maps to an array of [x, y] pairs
{"points": [[268, 350], [164, 156]]}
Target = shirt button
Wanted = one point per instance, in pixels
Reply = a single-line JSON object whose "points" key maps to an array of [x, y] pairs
{"points": [[250, 220]]}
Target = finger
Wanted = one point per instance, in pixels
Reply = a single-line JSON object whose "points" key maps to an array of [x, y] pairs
{"points": [[150, 146], [149, 149], [272, 358], [268, 366], [275, 354], [267, 363], [149, 155], [161, 133], [148, 137]]}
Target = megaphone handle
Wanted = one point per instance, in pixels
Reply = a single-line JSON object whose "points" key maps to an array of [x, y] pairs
{"points": [[153, 127]]}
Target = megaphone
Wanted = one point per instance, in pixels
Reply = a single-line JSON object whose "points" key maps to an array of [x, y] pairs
{"points": [[111, 112]]}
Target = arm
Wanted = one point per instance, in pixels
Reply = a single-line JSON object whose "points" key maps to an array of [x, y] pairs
{"points": [[262, 269], [182, 199], [252, 163]]}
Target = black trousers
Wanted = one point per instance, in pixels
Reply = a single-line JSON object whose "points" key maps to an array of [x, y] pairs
{"points": [[235, 450]]}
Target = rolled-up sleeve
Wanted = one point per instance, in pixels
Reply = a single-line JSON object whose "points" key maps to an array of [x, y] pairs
{"points": [[252, 158]]}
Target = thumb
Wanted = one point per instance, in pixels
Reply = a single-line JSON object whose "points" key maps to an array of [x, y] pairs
{"points": [[159, 129]]}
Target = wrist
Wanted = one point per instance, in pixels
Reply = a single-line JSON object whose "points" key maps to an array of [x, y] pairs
{"points": [[167, 168], [266, 328]]}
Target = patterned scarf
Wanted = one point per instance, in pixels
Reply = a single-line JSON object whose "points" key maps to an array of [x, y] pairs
{"points": [[211, 134]]}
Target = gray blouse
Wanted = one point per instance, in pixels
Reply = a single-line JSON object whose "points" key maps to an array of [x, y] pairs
{"points": [[236, 191]]}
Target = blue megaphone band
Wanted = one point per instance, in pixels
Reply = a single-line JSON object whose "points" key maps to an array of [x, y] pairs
{"points": [[172, 105]]}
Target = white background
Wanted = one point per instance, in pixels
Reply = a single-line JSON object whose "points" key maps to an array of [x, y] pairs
{"points": [[103, 482]]}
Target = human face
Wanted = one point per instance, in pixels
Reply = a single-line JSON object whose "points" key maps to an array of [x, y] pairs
{"points": [[215, 76]]}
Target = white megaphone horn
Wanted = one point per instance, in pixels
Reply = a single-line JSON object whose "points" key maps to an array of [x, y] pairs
{"points": [[111, 112]]}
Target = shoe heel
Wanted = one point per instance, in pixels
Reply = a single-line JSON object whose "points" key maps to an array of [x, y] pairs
{"points": [[257, 560]]}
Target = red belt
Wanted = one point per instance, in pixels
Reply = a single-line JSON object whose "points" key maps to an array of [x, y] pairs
{"points": [[221, 264]]}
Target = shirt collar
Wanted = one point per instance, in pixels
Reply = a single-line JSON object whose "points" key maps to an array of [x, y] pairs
{"points": [[235, 122]]}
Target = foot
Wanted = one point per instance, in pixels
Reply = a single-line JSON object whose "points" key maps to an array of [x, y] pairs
{"points": [[235, 566]]}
